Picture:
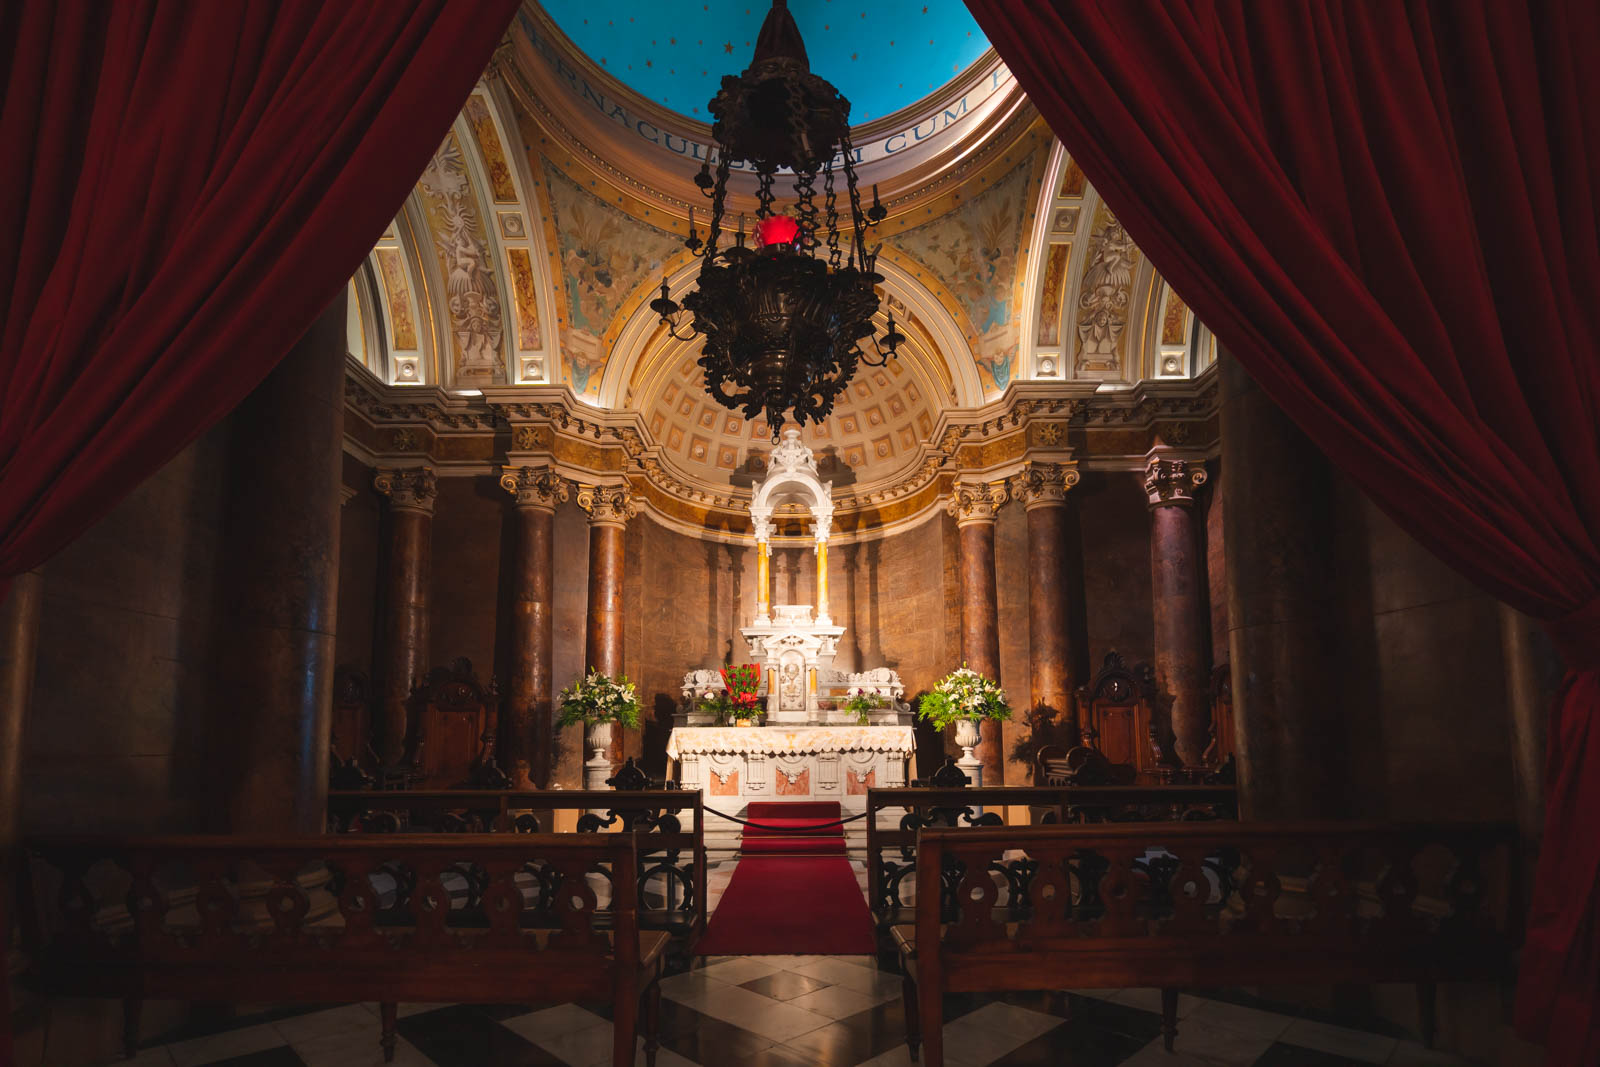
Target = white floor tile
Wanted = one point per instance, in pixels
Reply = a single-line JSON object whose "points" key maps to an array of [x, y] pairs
{"points": [[1357, 1044], [1022, 1023], [582, 1047], [222, 1046], [688, 984], [536, 1026], [974, 1042], [751, 1011], [1155, 1054], [1216, 1046], [739, 970], [900, 1056], [351, 1018]]}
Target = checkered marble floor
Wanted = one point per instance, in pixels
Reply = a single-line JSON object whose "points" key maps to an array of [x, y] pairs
{"points": [[789, 1011]]}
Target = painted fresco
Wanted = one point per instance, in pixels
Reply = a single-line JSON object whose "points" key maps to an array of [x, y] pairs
{"points": [[402, 324], [463, 249], [606, 256], [1055, 273], [1174, 321], [494, 157], [525, 293], [974, 250]]}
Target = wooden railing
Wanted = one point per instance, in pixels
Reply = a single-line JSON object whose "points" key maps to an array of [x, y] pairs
{"points": [[335, 919], [891, 853], [1195, 904], [672, 859]]}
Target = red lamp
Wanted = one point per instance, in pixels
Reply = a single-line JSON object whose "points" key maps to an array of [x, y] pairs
{"points": [[776, 230]]}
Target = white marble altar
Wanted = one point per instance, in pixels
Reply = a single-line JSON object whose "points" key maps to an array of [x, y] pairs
{"points": [[735, 765], [811, 747]]}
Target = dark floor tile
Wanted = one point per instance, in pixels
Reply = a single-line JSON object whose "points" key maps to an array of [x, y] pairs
{"points": [[856, 1038], [283, 1056], [1122, 1019], [1283, 1055], [703, 1039], [1074, 1044], [1368, 1021], [464, 1035], [784, 986]]}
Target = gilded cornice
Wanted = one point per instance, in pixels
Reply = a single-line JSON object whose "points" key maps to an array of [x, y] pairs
{"points": [[1032, 423]]}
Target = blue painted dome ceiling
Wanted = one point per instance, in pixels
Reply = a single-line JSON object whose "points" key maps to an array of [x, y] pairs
{"points": [[884, 56]]}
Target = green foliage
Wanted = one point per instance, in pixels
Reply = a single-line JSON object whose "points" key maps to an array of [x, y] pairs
{"points": [[963, 694], [596, 698]]}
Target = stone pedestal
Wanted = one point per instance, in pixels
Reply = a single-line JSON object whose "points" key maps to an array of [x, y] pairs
{"points": [[409, 529], [1182, 673], [275, 674], [609, 508], [974, 506], [525, 721]]}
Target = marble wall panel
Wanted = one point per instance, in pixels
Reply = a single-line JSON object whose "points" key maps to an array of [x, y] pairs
{"points": [[466, 601], [360, 525], [1114, 521]]}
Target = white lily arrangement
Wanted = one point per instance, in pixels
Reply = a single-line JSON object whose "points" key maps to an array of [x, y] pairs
{"points": [[597, 698], [963, 694]]}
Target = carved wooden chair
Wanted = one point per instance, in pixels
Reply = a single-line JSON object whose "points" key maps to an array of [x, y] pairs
{"points": [[1117, 720], [1220, 750], [454, 719]]}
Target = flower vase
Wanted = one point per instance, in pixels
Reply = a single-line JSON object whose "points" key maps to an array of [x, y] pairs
{"points": [[598, 769], [967, 737]]}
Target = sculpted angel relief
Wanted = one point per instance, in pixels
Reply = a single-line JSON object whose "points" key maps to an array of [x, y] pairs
{"points": [[463, 250]]}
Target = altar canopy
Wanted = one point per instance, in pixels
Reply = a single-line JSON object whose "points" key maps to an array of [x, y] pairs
{"points": [[1388, 213]]}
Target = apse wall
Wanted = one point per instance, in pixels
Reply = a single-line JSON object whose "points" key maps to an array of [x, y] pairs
{"points": [[117, 732]]}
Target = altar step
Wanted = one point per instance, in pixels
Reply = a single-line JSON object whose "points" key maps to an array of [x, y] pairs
{"points": [[724, 838]]}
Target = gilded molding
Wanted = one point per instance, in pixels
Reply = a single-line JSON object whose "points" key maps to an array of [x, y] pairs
{"points": [[408, 488], [1172, 482], [1044, 485], [535, 487], [975, 502], [607, 505]]}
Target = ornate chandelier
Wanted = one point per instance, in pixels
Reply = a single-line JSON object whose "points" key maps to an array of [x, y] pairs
{"points": [[784, 320]]}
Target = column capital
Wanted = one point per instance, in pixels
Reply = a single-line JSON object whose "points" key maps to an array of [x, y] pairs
{"points": [[540, 488], [976, 502], [1044, 485], [607, 505], [1171, 482], [408, 488]]}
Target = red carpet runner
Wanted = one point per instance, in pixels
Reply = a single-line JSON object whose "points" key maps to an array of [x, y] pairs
{"points": [[793, 892]]}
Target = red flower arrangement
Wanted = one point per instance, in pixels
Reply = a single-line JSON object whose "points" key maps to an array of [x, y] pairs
{"points": [[741, 682]]}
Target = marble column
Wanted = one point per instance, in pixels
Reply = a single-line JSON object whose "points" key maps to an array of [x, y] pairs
{"points": [[1182, 673], [409, 530], [819, 531], [1277, 530], [270, 730], [609, 508], [526, 726], [1042, 488], [974, 505]]}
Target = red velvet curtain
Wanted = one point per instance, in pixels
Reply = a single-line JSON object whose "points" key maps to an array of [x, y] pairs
{"points": [[183, 188], [1388, 213]]}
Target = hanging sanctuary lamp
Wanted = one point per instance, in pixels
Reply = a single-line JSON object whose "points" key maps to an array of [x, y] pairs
{"points": [[784, 310]]}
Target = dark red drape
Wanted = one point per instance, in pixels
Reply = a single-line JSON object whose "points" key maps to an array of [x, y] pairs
{"points": [[183, 188], [1387, 212]]}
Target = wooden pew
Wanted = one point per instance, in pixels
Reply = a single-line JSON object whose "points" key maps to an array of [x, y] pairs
{"points": [[340, 919], [1177, 905], [672, 860], [892, 855]]}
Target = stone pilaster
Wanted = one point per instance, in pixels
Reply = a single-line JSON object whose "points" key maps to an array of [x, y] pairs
{"points": [[974, 504], [1042, 488], [1182, 673], [609, 508], [411, 492], [526, 724]]}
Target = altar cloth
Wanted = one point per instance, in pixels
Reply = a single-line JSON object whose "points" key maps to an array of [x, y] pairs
{"points": [[778, 740]]}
